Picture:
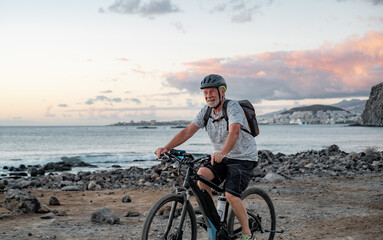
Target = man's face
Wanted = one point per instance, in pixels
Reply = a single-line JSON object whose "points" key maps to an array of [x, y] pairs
{"points": [[211, 96]]}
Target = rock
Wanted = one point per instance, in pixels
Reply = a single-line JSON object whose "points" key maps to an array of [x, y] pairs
{"points": [[94, 186], [66, 183], [36, 172], [132, 214], [373, 112], [2, 184], [62, 213], [273, 177], [16, 199], [54, 201], [48, 216], [104, 215], [126, 199], [71, 188], [43, 208]]}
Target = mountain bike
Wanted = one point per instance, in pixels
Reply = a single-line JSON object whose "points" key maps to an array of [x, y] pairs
{"points": [[173, 217]]}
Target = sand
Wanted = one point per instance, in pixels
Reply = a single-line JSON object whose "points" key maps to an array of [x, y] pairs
{"points": [[307, 208]]}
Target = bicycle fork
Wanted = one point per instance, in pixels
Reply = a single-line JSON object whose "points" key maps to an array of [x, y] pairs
{"points": [[172, 214]]}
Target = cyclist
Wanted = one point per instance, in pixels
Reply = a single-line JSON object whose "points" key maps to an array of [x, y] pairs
{"points": [[238, 146]]}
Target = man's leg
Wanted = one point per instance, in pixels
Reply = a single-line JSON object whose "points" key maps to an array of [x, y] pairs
{"points": [[239, 211], [207, 173]]}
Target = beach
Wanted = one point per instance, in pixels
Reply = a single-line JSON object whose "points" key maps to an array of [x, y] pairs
{"points": [[325, 194], [306, 207]]}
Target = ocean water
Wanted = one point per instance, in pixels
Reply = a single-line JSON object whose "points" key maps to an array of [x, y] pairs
{"points": [[129, 146]]}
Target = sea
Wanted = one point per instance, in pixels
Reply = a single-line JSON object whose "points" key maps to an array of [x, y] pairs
{"points": [[129, 146]]}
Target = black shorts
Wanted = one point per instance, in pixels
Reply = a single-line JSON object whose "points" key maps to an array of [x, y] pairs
{"points": [[236, 172]]}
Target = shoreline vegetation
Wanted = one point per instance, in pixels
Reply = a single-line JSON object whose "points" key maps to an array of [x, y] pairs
{"points": [[113, 204]]}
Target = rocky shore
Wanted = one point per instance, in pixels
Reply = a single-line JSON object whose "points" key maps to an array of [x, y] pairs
{"points": [[329, 162], [326, 194]]}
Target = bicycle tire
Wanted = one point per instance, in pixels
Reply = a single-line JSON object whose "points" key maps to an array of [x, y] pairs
{"points": [[258, 202], [156, 223]]}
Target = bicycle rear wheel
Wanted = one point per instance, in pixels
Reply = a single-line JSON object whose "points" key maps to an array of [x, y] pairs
{"points": [[164, 217], [261, 214]]}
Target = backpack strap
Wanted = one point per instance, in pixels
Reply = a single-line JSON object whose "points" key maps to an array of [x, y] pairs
{"points": [[224, 112], [207, 115]]}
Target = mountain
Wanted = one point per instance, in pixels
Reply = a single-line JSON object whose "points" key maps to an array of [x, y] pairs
{"points": [[354, 105], [373, 113], [313, 108]]}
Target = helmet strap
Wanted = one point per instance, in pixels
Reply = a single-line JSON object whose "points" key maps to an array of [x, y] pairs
{"points": [[220, 100]]}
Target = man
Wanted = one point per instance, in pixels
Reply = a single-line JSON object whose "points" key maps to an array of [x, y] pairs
{"points": [[238, 146]]}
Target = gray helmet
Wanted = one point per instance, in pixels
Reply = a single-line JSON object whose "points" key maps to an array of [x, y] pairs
{"points": [[213, 80]]}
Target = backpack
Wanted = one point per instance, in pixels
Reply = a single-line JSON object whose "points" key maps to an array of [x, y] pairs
{"points": [[249, 113]]}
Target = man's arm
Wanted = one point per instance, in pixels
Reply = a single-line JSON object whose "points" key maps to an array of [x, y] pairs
{"points": [[229, 143], [178, 139]]}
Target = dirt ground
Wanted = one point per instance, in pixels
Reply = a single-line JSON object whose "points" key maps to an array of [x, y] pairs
{"points": [[307, 208]]}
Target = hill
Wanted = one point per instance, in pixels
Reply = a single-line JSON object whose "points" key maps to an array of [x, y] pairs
{"points": [[313, 108], [353, 105]]}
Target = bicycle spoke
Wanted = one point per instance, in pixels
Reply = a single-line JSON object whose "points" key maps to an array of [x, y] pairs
{"points": [[164, 220], [261, 215]]}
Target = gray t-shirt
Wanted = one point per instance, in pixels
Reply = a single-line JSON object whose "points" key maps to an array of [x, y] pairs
{"points": [[245, 148]]}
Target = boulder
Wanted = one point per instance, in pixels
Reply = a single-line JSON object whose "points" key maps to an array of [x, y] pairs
{"points": [[15, 199], [273, 177], [104, 215], [373, 112], [54, 201], [126, 199]]}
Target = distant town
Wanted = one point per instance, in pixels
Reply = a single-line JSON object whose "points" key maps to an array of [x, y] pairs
{"points": [[345, 112]]}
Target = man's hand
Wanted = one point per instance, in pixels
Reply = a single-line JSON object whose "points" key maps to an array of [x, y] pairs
{"points": [[160, 151], [217, 157]]}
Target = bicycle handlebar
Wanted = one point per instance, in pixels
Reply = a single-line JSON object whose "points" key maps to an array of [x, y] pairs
{"points": [[187, 158]]}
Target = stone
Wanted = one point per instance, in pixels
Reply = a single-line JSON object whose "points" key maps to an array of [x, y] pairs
{"points": [[273, 177], [15, 199], [104, 215], [48, 216], [373, 111], [71, 188], [126, 199], [43, 208], [54, 201], [132, 214], [94, 186]]}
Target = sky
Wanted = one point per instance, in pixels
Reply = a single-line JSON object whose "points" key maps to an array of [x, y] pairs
{"points": [[98, 62]]}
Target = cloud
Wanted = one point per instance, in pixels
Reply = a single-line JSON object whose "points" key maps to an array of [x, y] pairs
{"points": [[145, 8], [348, 69], [136, 100], [63, 105], [102, 98], [241, 11], [374, 2], [107, 91]]}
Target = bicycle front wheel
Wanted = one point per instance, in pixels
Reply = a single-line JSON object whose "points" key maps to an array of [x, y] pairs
{"points": [[163, 220], [261, 214]]}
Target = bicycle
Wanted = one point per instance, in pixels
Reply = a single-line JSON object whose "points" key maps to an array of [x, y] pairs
{"points": [[173, 217]]}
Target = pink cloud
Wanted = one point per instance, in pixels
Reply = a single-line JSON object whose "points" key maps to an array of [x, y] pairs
{"points": [[346, 69]]}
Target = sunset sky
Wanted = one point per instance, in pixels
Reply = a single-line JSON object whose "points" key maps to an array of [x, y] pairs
{"points": [[97, 62]]}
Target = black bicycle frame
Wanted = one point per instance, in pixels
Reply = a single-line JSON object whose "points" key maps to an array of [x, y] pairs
{"points": [[213, 223]]}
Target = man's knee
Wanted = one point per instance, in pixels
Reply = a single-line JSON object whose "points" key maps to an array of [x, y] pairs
{"points": [[206, 172], [231, 198]]}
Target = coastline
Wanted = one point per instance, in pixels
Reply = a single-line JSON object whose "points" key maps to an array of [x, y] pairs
{"points": [[326, 194]]}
